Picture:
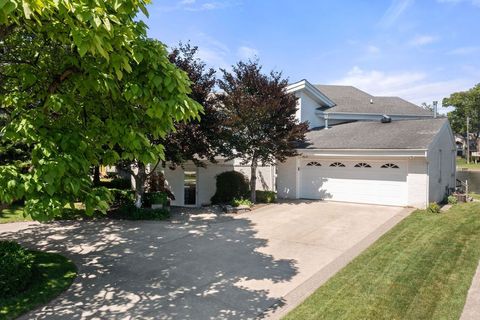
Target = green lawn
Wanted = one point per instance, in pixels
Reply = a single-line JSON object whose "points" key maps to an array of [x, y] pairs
{"points": [[462, 163], [53, 274], [13, 214], [421, 269]]}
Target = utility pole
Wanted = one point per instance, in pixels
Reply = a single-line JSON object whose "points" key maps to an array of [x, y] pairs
{"points": [[468, 140]]}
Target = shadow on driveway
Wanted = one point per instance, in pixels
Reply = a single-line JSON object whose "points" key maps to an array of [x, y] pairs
{"points": [[189, 269]]}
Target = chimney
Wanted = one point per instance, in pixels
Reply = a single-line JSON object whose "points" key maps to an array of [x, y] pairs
{"points": [[435, 103]]}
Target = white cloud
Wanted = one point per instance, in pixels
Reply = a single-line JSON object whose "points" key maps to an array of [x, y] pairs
{"points": [[246, 53], [213, 52], [421, 40], [464, 50], [196, 5], [413, 86], [373, 49], [473, 2], [187, 2], [394, 11]]}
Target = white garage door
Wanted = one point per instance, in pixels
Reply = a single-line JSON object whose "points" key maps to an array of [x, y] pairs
{"points": [[363, 181]]}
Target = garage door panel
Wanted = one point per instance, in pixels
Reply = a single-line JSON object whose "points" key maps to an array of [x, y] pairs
{"points": [[364, 185]]}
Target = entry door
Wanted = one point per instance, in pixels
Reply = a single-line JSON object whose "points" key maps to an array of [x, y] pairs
{"points": [[361, 181], [190, 188]]}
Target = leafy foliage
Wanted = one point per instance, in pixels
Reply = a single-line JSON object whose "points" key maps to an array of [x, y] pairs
{"points": [[81, 85], [466, 104], [266, 196], [236, 202], [433, 208], [260, 116], [15, 268], [452, 199], [230, 185]]}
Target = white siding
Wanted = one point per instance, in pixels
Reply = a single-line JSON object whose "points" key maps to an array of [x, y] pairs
{"points": [[287, 175], [441, 164], [306, 112]]}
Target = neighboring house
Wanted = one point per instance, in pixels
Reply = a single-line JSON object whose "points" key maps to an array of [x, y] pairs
{"points": [[350, 154]]}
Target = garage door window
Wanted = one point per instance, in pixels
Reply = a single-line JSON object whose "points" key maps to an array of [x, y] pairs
{"points": [[362, 165], [337, 164], [390, 165], [314, 164]]}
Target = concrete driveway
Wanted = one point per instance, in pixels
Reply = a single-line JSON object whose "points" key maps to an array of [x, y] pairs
{"points": [[205, 266]]}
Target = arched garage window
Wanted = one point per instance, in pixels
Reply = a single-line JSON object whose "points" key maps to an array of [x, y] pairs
{"points": [[337, 164], [313, 164], [390, 165], [362, 165]]}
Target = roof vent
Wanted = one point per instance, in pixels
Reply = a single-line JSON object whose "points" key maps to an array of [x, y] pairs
{"points": [[371, 101], [386, 119]]}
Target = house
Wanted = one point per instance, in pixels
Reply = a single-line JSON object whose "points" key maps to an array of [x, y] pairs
{"points": [[360, 148]]}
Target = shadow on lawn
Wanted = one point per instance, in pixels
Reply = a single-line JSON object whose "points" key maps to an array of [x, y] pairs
{"points": [[160, 270]]}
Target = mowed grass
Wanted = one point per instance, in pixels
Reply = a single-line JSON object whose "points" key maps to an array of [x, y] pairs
{"points": [[462, 163], [52, 275], [13, 214], [421, 269]]}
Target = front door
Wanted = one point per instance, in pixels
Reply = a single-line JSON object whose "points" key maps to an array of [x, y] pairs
{"points": [[190, 188]]}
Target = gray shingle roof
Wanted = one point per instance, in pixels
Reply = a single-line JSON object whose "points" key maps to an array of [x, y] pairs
{"points": [[405, 134], [350, 99]]}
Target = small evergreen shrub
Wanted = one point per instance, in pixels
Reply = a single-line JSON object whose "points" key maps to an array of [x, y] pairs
{"points": [[241, 202], [452, 199], [154, 198], [433, 208], [266, 196], [122, 197], [16, 265], [230, 185]]}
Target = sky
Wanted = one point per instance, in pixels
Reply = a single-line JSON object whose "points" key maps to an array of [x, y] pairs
{"points": [[419, 50]]}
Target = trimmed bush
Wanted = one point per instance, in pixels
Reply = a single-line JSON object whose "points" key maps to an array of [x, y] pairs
{"points": [[154, 198], [16, 265], [230, 185], [122, 197], [433, 208], [241, 202], [452, 200], [266, 196]]}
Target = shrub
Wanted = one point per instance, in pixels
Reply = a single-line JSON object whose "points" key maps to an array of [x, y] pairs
{"points": [[16, 264], [116, 183], [154, 198], [241, 202], [433, 208], [266, 196], [230, 185], [122, 197], [130, 212], [452, 199]]}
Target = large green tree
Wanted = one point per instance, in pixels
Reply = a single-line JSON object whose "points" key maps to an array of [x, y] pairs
{"points": [[466, 104], [260, 116], [80, 80]]}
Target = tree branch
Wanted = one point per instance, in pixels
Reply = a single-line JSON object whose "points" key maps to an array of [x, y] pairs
{"points": [[61, 78]]}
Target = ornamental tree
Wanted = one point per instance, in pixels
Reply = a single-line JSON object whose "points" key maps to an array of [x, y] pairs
{"points": [[80, 81], [261, 123]]}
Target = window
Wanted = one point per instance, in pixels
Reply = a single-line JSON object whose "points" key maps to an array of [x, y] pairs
{"points": [[390, 165], [314, 164], [362, 165], [337, 164]]}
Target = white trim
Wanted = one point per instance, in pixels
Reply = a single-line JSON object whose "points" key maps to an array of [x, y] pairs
{"points": [[313, 91], [365, 116]]}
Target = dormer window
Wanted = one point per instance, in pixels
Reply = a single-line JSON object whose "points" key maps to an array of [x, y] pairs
{"points": [[337, 165], [362, 165], [314, 164], [390, 165]]}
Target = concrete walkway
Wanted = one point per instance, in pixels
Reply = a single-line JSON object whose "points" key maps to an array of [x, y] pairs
{"points": [[205, 265], [471, 311]]}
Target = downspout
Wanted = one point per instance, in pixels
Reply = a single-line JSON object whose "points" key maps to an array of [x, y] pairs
{"points": [[326, 120]]}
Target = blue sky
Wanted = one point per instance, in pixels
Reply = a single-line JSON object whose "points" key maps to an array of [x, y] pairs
{"points": [[419, 50]]}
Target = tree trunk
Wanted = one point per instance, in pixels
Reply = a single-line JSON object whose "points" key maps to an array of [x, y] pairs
{"points": [[96, 176], [253, 181], [140, 178]]}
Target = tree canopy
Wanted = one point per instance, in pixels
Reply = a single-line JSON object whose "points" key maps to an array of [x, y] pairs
{"points": [[260, 116], [465, 104], [80, 80]]}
